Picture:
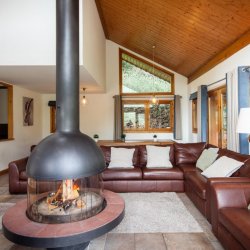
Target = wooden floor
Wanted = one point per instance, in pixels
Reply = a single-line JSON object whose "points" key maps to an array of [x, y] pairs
{"points": [[142, 241]]}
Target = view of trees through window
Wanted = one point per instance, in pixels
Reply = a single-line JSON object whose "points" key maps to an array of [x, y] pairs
{"points": [[134, 116], [139, 80], [144, 116], [136, 80], [160, 116]]}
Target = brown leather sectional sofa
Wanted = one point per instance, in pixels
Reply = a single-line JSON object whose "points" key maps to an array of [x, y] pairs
{"points": [[184, 176]]}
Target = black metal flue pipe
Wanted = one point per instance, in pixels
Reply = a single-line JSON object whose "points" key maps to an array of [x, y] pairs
{"points": [[68, 153], [67, 65]]}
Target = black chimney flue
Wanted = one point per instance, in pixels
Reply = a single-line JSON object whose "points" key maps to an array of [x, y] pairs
{"points": [[67, 154], [67, 65]]}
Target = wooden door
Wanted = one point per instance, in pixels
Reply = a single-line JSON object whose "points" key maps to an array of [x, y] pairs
{"points": [[217, 117]]}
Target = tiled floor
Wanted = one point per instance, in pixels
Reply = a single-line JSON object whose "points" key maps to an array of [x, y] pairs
{"points": [[142, 241]]}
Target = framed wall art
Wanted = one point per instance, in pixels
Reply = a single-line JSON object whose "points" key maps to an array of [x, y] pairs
{"points": [[28, 111]]}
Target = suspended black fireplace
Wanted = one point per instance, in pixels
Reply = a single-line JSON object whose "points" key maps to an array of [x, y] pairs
{"points": [[66, 206], [63, 169]]}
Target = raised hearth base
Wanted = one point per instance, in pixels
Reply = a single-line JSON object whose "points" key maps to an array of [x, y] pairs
{"points": [[18, 228]]}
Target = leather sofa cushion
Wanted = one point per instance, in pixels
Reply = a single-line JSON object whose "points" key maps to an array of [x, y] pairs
{"points": [[197, 182], [143, 155], [237, 222], [122, 174], [23, 176], [107, 154], [162, 174], [188, 153]]}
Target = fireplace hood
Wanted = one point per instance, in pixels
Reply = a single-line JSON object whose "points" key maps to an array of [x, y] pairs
{"points": [[67, 154]]}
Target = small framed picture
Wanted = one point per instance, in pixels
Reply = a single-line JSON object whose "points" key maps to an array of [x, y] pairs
{"points": [[28, 111]]}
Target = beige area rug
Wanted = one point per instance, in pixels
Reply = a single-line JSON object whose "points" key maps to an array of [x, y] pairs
{"points": [[156, 213], [3, 209]]}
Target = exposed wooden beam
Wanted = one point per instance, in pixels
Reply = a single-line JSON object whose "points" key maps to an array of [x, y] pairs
{"points": [[243, 41]]}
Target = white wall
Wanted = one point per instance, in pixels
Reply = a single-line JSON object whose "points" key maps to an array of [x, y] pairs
{"points": [[93, 55], [241, 58], [24, 136], [97, 117], [28, 32], [3, 106]]}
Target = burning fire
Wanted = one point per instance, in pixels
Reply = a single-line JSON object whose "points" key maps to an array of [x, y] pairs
{"points": [[66, 196]]}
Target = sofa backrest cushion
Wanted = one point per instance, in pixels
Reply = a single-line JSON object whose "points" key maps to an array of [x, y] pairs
{"points": [[107, 154], [143, 154], [188, 153]]}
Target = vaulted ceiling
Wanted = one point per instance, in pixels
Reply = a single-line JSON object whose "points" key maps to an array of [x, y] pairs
{"points": [[190, 36]]}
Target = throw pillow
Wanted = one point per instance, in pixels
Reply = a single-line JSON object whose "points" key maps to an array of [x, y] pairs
{"points": [[158, 157], [223, 167], [121, 157], [207, 157]]}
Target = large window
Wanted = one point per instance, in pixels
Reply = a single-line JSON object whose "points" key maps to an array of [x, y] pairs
{"points": [[143, 116], [140, 79]]}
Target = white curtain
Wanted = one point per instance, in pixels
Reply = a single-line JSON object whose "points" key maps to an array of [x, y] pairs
{"points": [[232, 110]]}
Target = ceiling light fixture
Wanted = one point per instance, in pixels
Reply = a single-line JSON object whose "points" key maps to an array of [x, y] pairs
{"points": [[84, 99], [154, 99]]}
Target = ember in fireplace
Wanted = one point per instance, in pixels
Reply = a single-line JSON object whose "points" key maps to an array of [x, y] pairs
{"points": [[64, 201]]}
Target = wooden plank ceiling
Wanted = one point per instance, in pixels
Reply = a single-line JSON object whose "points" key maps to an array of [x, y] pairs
{"points": [[188, 34]]}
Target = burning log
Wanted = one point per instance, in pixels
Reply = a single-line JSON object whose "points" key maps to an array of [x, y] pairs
{"points": [[66, 193], [69, 190]]}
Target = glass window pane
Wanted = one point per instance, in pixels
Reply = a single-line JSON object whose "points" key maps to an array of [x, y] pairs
{"points": [[160, 116], [137, 80], [133, 116]]}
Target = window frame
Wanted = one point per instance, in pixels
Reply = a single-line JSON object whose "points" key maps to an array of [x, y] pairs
{"points": [[10, 111], [147, 128], [152, 65]]}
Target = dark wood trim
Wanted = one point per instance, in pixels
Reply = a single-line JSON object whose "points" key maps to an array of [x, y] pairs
{"points": [[194, 115], [52, 119], [134, 143], [10, 112], [243, 41], [218, 88], [3, 172], [104, 26], [10, 109], [146, 62]]}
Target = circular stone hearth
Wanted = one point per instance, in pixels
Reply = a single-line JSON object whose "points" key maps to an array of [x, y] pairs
{"points": [[18, 228]]}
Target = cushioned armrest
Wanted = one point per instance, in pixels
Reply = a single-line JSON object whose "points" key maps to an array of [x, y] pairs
{"points": [[20, 164], [15, 167], [212, 181], [228, 195]]}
